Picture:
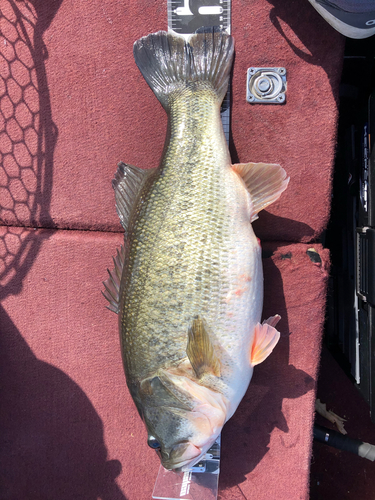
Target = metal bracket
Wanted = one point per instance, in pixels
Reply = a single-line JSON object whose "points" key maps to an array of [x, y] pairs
{"points": [[266, 85], [365, 270]]}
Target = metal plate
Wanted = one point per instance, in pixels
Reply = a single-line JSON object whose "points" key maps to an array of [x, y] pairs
{"points": [[266, 85]]}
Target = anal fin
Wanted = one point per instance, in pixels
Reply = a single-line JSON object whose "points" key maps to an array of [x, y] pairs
{"points": [[200, 350], [265, 339]]}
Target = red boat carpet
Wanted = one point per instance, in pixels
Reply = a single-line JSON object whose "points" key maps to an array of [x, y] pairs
{"points": [[72, 105]]}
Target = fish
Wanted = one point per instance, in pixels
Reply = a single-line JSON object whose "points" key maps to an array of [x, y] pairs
{"points": [[188, 282]]}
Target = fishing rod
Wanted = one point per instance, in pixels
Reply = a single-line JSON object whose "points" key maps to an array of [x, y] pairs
{"points": [[344, 443]]}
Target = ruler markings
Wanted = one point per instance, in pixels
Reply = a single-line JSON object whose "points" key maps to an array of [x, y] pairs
{"points": [[185, 18]]}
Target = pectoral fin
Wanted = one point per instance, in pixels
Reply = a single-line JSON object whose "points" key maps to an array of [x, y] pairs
{"points": [[265, 183], [200, 350], [265, 339], [127, 184]]}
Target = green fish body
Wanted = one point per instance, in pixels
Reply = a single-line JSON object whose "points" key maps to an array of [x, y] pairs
{"points": [[188, 284]]}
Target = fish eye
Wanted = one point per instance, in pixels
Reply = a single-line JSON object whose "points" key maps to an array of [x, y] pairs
{"points": [[153, 443]]}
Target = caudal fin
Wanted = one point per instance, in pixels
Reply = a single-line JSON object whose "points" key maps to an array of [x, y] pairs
{"points": [[169, 64]]}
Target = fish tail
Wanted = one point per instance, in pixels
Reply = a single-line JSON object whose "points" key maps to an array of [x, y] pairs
{"points": [[169, 64]]}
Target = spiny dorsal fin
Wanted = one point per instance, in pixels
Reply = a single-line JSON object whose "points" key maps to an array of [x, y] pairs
{"points": [[264, 181], [200, 350], [265, 338], [112, 284], [127, 184]]}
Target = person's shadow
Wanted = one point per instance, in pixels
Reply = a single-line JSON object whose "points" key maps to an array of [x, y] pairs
{"points": [[246, 437], [304, 20], [52, 443]]}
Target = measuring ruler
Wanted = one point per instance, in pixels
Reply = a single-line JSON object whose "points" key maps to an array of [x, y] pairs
{"points": [[186, 16], [197, 483]]}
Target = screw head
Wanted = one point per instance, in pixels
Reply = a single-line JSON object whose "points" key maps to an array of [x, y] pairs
{"points": [[264, 84]]}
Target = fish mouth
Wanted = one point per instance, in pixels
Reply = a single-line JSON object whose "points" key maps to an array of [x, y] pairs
{"points": [[182, 456]]}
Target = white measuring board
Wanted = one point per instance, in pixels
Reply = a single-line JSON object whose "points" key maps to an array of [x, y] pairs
{"points": [[186, 16], [198, 483], [201, 481]]}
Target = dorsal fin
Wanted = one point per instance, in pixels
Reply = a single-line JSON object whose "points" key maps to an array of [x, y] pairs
{"points": [[127, 184], [264, 181], [112, 284]]}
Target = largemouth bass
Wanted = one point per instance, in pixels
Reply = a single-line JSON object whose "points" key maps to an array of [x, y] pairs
{"points": [[188, 283]]}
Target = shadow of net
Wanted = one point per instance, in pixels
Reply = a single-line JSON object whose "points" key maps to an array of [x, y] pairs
{"points": [[35, 449], [27, 137]]}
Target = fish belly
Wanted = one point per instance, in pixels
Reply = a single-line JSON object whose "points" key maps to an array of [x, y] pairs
{"points": [[243, 302]]}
